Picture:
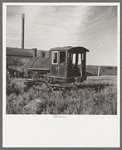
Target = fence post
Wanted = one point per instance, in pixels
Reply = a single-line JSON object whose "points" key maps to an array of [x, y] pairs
{"points": [[98, 72]]}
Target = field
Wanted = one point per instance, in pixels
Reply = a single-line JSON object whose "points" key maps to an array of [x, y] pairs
{"points": [[104, 70], [95, 96]]}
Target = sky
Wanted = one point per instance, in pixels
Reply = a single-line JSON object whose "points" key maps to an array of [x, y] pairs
{"points": [[92, 27]]}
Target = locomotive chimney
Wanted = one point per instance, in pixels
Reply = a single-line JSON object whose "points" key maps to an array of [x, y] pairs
{"points": [[34, 52], [23, 20]]}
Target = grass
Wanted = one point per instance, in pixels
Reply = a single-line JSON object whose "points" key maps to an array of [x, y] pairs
{"points": [[94, 97]]}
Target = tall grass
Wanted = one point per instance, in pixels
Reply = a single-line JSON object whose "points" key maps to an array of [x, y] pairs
{"points": [[88, 98]]}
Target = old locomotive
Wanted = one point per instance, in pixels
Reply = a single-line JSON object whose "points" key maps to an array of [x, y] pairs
{"points": [[59, 65]]}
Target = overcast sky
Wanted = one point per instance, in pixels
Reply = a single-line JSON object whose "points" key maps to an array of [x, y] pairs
{"points": [[93, 27]]}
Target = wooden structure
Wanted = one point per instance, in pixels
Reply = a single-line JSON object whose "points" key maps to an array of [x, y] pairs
{"points": [[17, 58]]}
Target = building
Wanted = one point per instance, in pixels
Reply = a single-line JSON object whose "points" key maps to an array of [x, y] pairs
{"points": [[17, 58]]}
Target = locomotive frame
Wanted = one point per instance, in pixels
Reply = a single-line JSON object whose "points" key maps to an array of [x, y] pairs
{"points": [[62, 65]]}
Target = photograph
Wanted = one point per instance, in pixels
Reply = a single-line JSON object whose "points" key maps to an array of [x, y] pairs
{"points": [[61, 74], [61, 59]]}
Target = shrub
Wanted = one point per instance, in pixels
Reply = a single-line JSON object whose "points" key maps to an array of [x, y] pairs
{"points": [[14, 86], [77, 100]]}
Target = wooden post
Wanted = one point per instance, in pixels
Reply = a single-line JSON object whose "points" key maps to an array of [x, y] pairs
{"points": [[98, 71]]}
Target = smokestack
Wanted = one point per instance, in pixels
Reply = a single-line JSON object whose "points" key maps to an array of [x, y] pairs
{"points": [[23, 21]]}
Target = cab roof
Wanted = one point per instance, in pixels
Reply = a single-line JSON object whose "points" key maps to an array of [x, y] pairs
{"points": [[70, 48]]}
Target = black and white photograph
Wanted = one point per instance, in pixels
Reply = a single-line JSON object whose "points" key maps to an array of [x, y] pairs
{"points": [[61, 60]]}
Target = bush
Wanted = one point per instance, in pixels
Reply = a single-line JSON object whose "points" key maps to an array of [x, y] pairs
{"points": [[14, 86], [83, 100]]}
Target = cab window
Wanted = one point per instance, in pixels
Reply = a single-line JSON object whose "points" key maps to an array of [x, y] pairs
{"points": [[54, 57]]}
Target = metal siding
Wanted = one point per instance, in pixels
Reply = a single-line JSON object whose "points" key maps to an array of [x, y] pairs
{"points": [[58, 70], [54, 67], [62, 70], [62, 67], [54, 70]]}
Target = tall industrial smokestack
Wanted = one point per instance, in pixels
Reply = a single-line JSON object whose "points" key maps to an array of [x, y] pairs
{"points": [[23, 21]]}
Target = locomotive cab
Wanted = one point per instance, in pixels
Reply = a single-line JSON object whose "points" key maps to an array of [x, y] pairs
{"points": [[68, 63]]}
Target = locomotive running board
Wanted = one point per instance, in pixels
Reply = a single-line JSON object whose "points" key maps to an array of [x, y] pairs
{"points": [[31, 82]]}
